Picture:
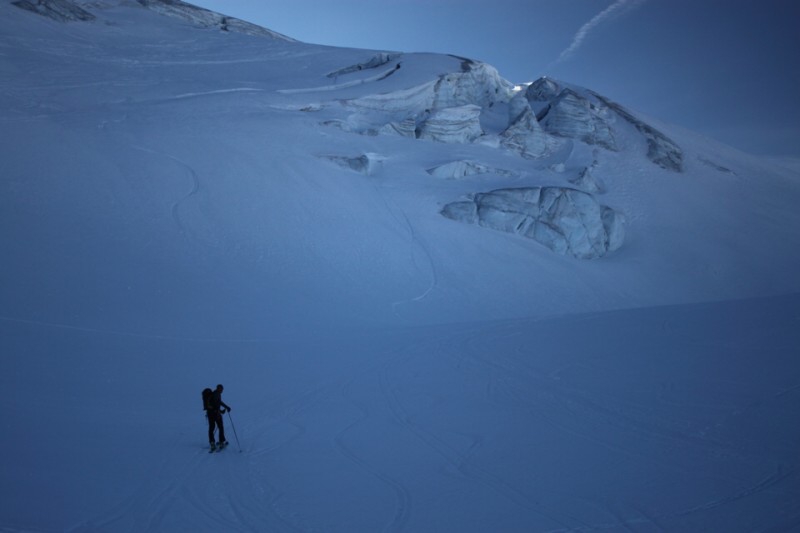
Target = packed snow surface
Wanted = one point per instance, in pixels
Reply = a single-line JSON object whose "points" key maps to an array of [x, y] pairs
{"points": [[438, 300]]}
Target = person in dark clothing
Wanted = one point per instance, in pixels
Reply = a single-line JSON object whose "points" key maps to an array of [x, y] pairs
{"points": [[216, 408]]}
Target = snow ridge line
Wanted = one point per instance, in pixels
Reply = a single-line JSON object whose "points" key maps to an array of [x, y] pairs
{"points": [[378, 77]]}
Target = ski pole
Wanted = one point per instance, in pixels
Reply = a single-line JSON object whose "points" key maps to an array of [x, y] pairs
{"points": [[234, 431]]}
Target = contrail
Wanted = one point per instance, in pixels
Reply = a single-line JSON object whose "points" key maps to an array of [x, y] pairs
{"points": [[598, 19]]}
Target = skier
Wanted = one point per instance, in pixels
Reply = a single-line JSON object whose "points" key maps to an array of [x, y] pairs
{"points": [[214, 413]]}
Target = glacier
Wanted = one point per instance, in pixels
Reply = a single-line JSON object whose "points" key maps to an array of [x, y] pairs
{"points": [[438, 300]]}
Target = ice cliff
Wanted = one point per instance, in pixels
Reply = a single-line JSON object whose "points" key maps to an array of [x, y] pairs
{"points": [[567, 221], [577, 113]]}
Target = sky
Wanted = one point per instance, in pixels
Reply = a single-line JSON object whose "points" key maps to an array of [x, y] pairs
{"points": [[725, 68]]}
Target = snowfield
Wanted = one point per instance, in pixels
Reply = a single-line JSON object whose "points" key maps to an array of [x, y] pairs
{"points": [[438, 300]]}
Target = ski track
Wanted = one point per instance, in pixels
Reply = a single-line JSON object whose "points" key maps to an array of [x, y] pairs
{"points": [[195, 187], [781, 473], [182, 481], [144, 508], [402, 494], [581, 406], [287, 413], [316, 398], [588, 409], [179, 481], [461, 462], [403, 220]]}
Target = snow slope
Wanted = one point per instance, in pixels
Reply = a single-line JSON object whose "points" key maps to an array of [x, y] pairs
{"points": [[661, 419], [188, 200]]}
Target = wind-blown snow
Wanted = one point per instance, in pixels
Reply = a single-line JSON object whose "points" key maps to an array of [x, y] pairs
{"points": [[182, 204]]}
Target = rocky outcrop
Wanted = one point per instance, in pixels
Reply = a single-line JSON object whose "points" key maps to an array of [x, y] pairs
{"points": [[567, 221]]}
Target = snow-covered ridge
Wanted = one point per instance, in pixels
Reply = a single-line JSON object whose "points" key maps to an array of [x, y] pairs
{"points": [[661, 150], [537, 118], [475, 84], [209, 19], [60, 10], [375, 61], [574, 112], [81, 10]]}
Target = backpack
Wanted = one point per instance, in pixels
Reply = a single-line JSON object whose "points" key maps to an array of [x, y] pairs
{"points": [[207, 398]]}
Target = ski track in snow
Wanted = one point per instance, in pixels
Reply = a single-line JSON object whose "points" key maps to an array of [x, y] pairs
{"points": [[182, 486], [403, 495], [583, 408], [579, 409], [195, 484], [403, 220], [195, 187], [500, 390], [217, 92], [462, 461], [510, 422]]}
